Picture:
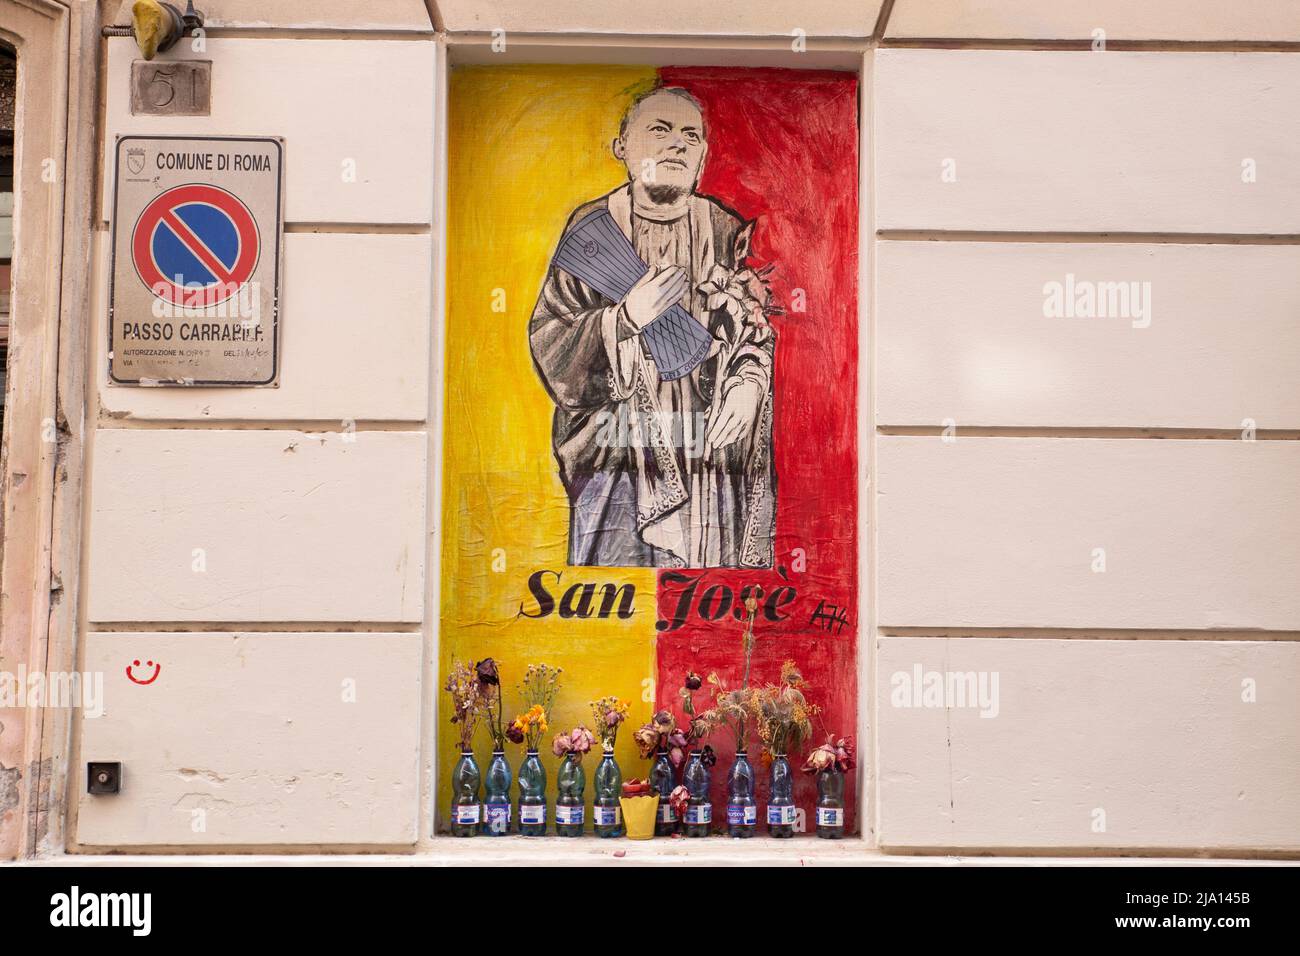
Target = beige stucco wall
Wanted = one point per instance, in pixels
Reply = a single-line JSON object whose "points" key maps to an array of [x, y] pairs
{"points": [[1069, 503], [271, 544], [994, 437]]}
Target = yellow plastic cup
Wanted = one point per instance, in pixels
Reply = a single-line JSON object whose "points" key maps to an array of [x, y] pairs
{"points": [[639, 814]]}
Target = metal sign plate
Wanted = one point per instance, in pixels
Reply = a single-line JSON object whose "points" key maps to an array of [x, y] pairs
{"points": [[194, 298]]}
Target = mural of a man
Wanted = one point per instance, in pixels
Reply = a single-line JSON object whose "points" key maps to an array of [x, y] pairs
{"points": [[661, 472]]}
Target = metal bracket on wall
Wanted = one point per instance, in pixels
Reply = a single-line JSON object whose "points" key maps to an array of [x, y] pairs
{"points": [[157, 26]]}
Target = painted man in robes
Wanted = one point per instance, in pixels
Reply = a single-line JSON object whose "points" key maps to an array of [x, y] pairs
{"points": [[661, 472]]}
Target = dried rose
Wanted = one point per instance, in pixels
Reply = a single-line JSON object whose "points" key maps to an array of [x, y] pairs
{"points": [[560, 745], [707, 756], [580, 740], [822, 758], [679, 747], [487, 671], [664, 722], [515, 734], [693, 681], [834, 753], [844, 752], [647, 740], [679, 800]]}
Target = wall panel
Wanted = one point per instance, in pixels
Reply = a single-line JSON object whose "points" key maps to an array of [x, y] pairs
{"points": [[672, 18], [1091, 744], [1194, 336], [256, 526], [1081, 141], [1004, 532], [270, 739], [1250, 20], [404, 15], [354, 340], [356, 117]]}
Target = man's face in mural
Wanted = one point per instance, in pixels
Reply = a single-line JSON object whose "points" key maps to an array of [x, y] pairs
{"points": [[663, 146]]}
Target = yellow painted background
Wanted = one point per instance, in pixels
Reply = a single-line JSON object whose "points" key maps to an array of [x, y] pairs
{"points": [[528, 144]]}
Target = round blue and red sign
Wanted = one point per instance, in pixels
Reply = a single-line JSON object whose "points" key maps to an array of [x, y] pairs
{"points": [[195, 245]]}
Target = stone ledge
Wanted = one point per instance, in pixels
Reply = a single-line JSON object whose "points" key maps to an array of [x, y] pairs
{"points": [[589, 851]]}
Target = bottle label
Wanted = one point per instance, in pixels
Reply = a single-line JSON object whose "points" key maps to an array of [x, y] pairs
{"points": [[742, 816], [569, 815], [666, 814], [700, 814], [467, 813], [780, 816], [830, 817], [532, 814], [608, 816], [497, 817]]}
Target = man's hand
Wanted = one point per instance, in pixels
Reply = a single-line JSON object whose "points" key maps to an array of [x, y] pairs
{"points": [[653, 294], [735, 417]]}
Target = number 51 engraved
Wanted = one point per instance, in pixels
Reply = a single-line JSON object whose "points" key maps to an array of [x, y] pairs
{"points": [[179, 88]]}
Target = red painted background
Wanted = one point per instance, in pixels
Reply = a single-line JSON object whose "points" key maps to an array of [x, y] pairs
{"points": [[783, 148]]}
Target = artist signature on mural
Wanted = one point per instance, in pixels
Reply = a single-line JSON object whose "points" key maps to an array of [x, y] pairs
{"points": [[831, 618]]}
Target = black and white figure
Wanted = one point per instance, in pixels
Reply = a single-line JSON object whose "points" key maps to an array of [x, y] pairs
{"points": [[650, 337]]}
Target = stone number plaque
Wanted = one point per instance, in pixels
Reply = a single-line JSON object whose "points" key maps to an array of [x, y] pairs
{"points": [[174, 88]]}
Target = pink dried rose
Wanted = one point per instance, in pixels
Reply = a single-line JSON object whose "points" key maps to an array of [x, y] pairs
{"points": [[822, 758], [677, 746], [576, 743], [679, 800], [836, 752], [845, 752], [664, 722]]}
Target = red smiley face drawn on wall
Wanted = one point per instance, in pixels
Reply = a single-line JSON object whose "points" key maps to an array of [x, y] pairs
{"points": [[135, 680]]}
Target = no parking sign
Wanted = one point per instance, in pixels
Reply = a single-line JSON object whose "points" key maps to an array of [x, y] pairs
{"points": [[195, 278]]}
